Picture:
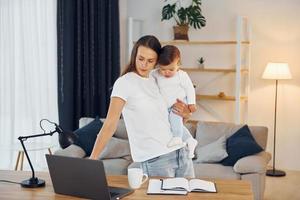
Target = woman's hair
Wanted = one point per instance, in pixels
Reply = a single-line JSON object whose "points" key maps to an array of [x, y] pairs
{"points": [[168, 54], [148, 41]]}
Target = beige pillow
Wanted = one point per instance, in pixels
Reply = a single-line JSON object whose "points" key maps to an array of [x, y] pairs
{"points": [[116, 148], [213, 152]]}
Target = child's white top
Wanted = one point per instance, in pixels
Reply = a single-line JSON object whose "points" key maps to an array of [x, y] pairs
{"points": [[178, 86], [146, 116]]}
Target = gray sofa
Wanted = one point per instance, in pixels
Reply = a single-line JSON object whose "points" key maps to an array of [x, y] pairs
{"points": [[116, 156]]}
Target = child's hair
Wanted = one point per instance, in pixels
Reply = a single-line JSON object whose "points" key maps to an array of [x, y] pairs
{"points": [[168, 54]]}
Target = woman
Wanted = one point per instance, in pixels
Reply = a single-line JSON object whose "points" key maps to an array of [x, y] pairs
{"points": [[136, 95]]}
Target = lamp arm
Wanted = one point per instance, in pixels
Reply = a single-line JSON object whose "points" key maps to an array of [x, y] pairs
{"points": [[37, 135]]}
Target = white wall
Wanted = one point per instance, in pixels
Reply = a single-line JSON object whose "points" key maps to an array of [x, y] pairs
{"points": [[275, 37]]}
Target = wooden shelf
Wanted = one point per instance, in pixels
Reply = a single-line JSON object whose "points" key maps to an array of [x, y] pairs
{"points": [[194, 69], [216, 97], [216, 42]]}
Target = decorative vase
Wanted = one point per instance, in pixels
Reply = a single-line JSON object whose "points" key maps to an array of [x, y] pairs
{"points": [[181, 32], [201, 66]]}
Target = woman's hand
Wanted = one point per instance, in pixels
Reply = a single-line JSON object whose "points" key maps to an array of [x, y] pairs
{"points": [[181, 109]]}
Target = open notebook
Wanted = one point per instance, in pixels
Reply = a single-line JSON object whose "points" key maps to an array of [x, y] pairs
{"points": [[179, 186]]}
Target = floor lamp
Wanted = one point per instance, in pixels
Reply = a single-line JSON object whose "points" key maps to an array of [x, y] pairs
{"points": [[276, 71]]}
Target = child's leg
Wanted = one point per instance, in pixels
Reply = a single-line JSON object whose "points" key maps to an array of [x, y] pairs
{"points": [[176, 124], [191, 142]]}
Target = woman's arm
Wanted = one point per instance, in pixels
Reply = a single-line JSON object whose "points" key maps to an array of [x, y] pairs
{"points": [[181, 109], [109, 127]]}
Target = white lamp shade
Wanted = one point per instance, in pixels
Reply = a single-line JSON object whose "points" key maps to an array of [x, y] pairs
{"points": [[277, 71]]}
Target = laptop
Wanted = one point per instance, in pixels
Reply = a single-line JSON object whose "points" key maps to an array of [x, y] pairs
{"points": [[82, 178]]}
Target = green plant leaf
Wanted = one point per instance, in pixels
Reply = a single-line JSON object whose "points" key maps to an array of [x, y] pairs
{"points": [[182, 15], [196, 19], [190, 15], [197, 2], [168, 11]]}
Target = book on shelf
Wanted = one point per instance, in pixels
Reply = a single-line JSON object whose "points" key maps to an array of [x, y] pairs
{"points": [[180, 186]]}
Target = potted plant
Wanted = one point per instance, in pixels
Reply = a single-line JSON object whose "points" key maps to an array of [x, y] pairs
{"points": [[201, 62], [184, 17]]}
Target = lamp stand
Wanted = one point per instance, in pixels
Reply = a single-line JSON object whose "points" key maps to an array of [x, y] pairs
{"points": [[33, 182], [274, 172]]}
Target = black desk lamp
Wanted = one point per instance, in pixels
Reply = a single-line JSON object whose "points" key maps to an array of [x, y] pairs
{"points": [[65, 139]]}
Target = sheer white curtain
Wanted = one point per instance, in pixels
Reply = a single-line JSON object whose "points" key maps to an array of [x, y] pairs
{"points": [[28, 75]]}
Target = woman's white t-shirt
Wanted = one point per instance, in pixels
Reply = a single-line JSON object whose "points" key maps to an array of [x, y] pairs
{"points": [[146, 116]]}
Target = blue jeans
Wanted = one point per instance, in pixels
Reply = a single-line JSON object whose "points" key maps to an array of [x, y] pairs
{"points": [[173, 164], [177, 127]]}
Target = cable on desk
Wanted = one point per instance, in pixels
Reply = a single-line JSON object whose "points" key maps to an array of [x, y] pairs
{"points": [[6, 181]]}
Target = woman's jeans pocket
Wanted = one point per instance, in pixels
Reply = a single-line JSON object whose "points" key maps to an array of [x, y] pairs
{"points": [[152, 160], [164, 165]]}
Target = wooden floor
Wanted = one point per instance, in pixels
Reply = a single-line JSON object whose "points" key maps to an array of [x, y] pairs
{"points": [[280, 188]]}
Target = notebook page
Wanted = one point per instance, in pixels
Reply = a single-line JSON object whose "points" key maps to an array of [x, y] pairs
{"points": [[202, 185], [154, 187], [176, 184]]}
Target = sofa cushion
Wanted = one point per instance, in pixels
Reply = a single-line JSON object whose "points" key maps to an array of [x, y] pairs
{"points": [[260, 134], [116, 166], [87, 135], [83, 121], [192, 128], [213, 152], [215, 171], [71, 151], [119, 133], [208, 132], [116, 148], [253, 164], [239, 145]]}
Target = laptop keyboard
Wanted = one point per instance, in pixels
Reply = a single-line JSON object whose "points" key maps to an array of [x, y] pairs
{"points": [[113, 194]]}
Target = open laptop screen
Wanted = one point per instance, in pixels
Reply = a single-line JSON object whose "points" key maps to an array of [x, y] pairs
{"points": [[81, 178]]}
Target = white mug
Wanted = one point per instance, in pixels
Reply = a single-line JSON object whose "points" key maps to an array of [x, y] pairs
{"points": [[135, 177]]}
